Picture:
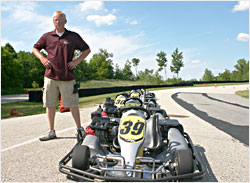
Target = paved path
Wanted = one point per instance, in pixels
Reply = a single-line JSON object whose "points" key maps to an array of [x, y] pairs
{"points": [[14, 98]]}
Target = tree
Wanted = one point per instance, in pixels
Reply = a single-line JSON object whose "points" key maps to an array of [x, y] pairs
{"points": [[242, 70], [225, 76], [31, 69], [150, 77], [11, 50], [81, 72], [101, 65], [162, 62], [127, 73], [207, 76], [135, 62], [10, 68], [177, 62], [118, 72]]}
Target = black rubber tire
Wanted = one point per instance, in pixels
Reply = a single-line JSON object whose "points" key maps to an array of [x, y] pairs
{"points": [[184, 161], [80, 157]]}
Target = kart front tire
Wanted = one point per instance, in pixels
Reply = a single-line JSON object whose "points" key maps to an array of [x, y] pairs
{"points": [[80, 157], [184, 162]]}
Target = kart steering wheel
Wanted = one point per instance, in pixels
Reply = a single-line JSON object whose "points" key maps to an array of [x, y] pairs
{"points": [[123, 94], [139, 108], [134, 98], [151, 95]]}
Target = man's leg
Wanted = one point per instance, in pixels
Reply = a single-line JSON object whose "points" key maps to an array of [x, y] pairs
{"points": [[76, 115], [80, 133], [51, 113]]}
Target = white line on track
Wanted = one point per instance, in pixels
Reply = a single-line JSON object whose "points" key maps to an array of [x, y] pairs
{"points": [[32, 140]]}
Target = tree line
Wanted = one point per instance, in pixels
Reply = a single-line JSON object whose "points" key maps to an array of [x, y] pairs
{"points": [[241, 73], [24, 70]]}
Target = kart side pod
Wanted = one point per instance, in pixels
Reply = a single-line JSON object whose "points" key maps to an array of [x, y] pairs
{"points": [[181, 153]]}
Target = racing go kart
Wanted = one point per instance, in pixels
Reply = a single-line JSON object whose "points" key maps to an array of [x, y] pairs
{"points": [[134, 145]]}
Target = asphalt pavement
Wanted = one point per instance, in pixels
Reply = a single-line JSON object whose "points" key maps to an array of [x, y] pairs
{"points": [[14, 98], [226, 159], [227, 112]]}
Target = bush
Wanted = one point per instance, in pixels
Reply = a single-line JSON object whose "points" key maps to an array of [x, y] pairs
{"points": [[35, 84]]}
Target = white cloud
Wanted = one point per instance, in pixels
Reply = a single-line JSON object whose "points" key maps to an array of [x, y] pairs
{"points": [[92, 5], [243, 37], [17, 45], [122, 46], [196, 61], [241, 6], [114, 10], [134, 22], [100, 20], [26, 12], [5, 7]]}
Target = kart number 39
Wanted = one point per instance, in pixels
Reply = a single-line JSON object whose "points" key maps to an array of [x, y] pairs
{"points": [[132, 128]]}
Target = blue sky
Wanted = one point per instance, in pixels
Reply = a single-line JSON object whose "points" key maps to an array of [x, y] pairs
{"points": [[211, 34]]}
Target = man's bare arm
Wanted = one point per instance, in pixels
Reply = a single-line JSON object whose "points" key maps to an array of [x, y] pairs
{"points": [[43, 59], [74, 63]]}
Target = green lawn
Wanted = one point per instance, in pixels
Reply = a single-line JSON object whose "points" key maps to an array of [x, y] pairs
{"points": [[27, 108], [243, 93], [31, 108]]}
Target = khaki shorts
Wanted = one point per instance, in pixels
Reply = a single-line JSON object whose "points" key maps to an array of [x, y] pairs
{"points": [[52, 90]]}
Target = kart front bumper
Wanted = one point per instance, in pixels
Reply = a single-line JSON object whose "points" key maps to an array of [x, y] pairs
{"points": [[92, 175]]}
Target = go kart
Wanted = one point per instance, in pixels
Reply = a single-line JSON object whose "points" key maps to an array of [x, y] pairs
{"points": [[111, 107], [137, 146]]}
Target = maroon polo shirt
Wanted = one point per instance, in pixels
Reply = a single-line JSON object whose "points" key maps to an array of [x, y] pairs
{"points": [[60, 51]]}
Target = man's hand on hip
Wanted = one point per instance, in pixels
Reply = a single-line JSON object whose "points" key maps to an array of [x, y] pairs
{"points": [[46, 62], [73, 64]]}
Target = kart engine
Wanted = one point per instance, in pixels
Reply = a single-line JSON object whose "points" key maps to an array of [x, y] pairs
{"points": [[106, 131]]}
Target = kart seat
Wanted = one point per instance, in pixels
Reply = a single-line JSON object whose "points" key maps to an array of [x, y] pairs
{"points": [[153, 138]]}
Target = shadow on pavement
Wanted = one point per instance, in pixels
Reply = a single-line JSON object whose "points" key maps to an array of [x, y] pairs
{"points": [[209, 175], [66, 138]]}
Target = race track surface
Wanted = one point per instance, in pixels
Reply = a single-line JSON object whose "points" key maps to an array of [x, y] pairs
{"points": [[224, 151]]}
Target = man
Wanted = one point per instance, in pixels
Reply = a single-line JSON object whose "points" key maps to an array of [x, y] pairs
{"points": [[60, 45]]}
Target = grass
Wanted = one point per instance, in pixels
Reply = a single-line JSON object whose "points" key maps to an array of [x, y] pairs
{"points": [[95, 100], [27, 108], [243, 93], [31, 108], [220, 84], [109, 83], [12, 91]]}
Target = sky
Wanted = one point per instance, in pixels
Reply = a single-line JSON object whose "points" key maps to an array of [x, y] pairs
{"points": [[210, 34]]}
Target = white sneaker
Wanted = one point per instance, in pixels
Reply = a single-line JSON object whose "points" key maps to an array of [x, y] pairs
{"points": [[51, 135]]}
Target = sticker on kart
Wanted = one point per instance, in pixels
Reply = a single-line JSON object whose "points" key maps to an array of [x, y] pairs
{"points": [[132, 129], [119, 101], [131, 104], [135, 95]]}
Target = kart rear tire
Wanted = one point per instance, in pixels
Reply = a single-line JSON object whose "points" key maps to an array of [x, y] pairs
{"points": [[80, 157], [184, 162]]}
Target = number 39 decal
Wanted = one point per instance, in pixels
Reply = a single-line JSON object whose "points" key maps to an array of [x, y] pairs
{"points": [[132, 128]]}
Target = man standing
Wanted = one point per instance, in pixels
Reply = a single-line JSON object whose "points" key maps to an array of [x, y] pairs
{"points": [[60, 45]]}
